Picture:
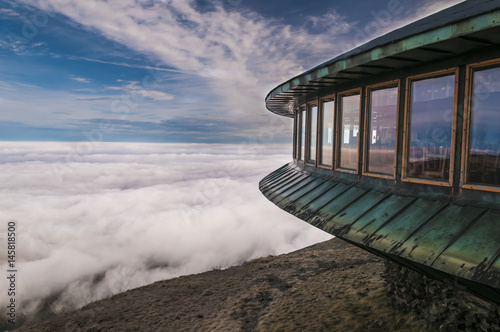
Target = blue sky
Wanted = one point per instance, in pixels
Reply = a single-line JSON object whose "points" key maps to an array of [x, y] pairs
{"points": [[171, 70]]}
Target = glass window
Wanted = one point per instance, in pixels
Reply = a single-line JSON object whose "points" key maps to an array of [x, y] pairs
{"points": [[430, 128], [313, 130], [303, 116], [327, 119], [349, 131], [297, 136], [484, 149], [382, 130]]}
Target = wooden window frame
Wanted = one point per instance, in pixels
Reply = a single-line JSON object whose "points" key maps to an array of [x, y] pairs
{"points": [[494, 63], [300, 157], [322, 100], [406, 147], [309, 107], [369, 89], [338, 104]]}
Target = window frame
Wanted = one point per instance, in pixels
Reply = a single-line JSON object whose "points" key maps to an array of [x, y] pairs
{"points": [[321, 101], [309, 107], [367, 136], [300, 157], [338, 122], [406, 141], [469, 97]]}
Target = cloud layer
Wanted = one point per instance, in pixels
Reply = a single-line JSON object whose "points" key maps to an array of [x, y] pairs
{"points": [[126, 215]]}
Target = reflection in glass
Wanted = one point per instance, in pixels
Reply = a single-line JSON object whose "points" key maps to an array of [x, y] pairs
{"points": [[297, 137], [313, 132], [430, 128], [382, 131], [484, 151], [303, 135], [327, 118], [349, 130]]}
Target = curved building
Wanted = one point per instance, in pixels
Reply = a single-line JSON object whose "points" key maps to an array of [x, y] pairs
{"points": [[397, 146]]}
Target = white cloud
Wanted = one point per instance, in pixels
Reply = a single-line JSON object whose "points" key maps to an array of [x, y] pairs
{"points": [[240, 56], [6, 12], [135, 88], [79, 79], [128, 214]]}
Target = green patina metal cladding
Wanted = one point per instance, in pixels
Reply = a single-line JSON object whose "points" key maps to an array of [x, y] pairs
{"points": [[446, 235]]}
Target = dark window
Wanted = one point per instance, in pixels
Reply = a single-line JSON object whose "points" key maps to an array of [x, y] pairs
{"points": [[349, 131], [327, 121], [430, 128], [382, 130], [484, 149]]}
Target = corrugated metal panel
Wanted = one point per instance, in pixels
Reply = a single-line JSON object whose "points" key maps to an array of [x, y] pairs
{"points": [[448, 237]]}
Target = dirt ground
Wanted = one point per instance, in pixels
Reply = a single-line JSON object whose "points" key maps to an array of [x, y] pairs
{"points": [[331, 286]]}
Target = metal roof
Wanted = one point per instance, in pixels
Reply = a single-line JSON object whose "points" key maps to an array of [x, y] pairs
{"points": [[446, 238], [470, 25]]}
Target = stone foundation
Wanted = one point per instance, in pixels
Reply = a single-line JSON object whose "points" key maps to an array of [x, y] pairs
{"points": [[442, 306]]}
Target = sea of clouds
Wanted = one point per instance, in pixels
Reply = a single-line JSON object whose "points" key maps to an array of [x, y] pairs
{"points": [[96, 222]]}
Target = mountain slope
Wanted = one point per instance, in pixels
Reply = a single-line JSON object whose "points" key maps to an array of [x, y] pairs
{"points": [[331, 286]]}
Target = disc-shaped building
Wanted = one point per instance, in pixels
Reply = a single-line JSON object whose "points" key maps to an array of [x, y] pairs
{"points": [[397, 146]]}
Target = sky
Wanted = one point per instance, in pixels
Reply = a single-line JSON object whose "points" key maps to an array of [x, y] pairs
{"points": [[171, 70]]}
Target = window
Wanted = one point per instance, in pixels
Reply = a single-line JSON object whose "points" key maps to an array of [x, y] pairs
{"points": [[483, 160], [313, 130], [349, 131], [326, 139], [303, 117], [381, 130], [296, 143], [429, 133]]}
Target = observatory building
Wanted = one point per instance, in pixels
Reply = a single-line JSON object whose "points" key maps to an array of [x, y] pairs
{"points": [[396, 146]]}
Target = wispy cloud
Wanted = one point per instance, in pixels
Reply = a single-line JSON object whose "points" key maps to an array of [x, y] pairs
{"points": [[80, 79], [135, 87], [8, 13], [240, 55], [124, 64]]}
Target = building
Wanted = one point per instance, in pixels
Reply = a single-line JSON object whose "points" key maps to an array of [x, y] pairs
{"points": [[397, 146]]}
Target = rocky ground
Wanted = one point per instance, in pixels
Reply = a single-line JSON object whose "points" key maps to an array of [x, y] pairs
{"points": [[331, 286]]}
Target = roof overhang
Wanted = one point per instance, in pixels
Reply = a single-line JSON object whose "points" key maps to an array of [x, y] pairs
{"points": [[468, 26]]}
